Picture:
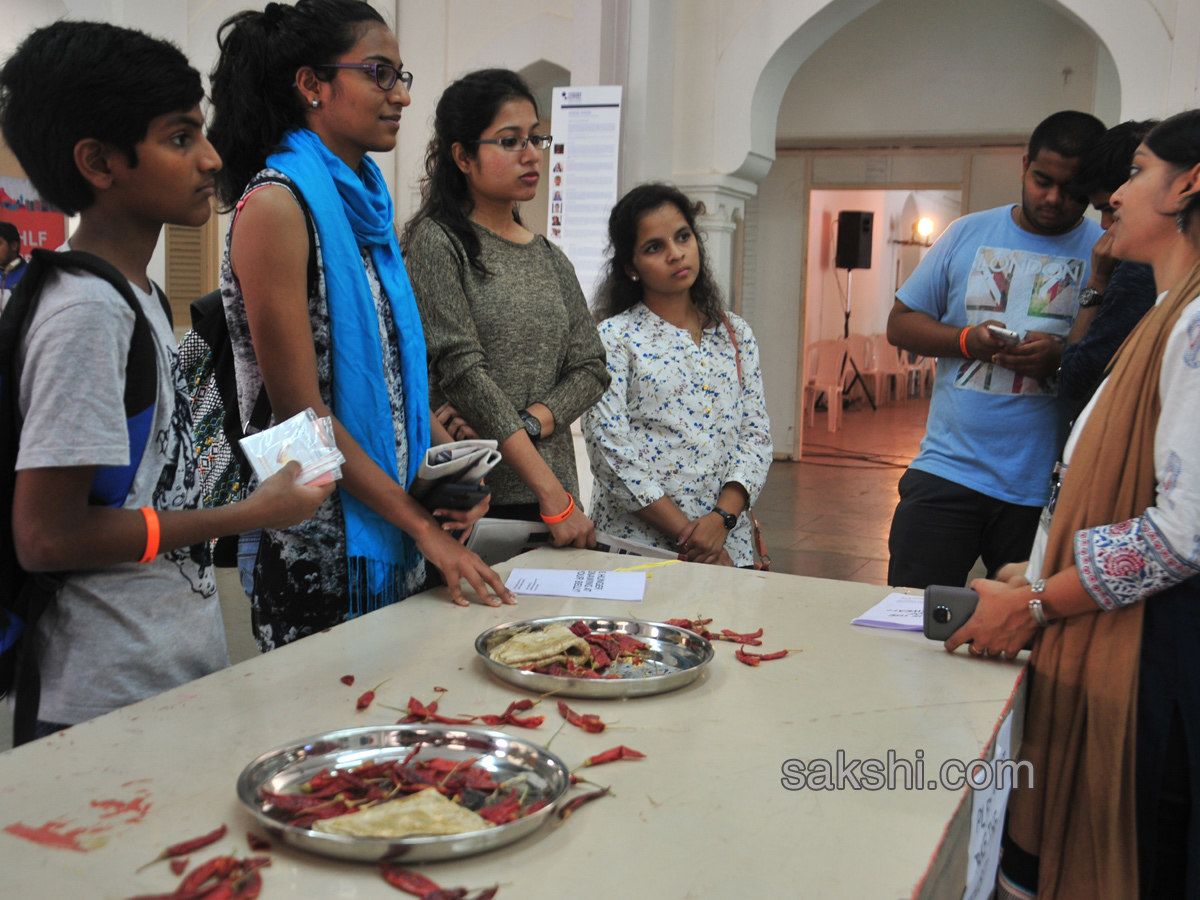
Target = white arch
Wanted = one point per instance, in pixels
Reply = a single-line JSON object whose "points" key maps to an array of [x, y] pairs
{"points": [[781, 34], [544, 37]]}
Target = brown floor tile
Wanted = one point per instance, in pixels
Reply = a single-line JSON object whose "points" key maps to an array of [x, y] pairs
{"points": [[828, 516]]}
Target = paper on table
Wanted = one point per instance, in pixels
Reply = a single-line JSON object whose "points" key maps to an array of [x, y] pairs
{"points": [[900, 612], [597, 585]]}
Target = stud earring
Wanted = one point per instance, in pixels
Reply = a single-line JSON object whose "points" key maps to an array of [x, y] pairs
{"points": [[635, 278], [315, 103]]}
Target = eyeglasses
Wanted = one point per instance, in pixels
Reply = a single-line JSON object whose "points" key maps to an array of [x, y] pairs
{"points": [[386, 75], [514, 144]]}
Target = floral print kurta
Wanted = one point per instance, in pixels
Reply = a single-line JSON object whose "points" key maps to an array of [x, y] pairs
{"points": [[675, 422]]}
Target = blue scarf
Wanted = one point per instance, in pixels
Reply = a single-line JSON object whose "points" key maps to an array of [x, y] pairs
{"points": [[352, 211]]}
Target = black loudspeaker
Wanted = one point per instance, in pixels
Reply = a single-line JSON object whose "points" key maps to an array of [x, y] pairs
{"points": [[854, 239]]}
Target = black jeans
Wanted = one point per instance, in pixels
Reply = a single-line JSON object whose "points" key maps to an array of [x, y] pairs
{"points": [[940, 528]]}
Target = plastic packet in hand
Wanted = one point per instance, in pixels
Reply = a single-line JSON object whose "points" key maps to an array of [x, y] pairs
{"points": [[304, 438]]}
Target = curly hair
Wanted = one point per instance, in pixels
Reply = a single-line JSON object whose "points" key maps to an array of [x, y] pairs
{"points": [[618, 292]]}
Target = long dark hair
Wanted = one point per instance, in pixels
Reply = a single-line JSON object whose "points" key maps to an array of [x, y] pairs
{"points": [[1177, 141], [618, 292], [254, 94], [464, 112]]}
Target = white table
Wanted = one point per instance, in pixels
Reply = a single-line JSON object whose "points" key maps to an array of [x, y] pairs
{"points": [[705, 815]]}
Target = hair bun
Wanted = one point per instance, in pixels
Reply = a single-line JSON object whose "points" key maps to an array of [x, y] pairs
{"points": [[274, 13]]}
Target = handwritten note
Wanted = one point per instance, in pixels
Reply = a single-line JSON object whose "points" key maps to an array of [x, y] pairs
{"points": [[987, 822], [593, 584], [900, 612]]}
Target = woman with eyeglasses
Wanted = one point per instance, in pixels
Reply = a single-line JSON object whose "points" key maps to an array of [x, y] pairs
{"points": [[513, 352], [320, 310]]}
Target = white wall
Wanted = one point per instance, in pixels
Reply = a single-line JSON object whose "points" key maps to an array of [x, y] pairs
{"points": [[987, 67]]}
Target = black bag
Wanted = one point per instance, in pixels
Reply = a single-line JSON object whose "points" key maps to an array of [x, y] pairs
{"points": [[24, 596]]}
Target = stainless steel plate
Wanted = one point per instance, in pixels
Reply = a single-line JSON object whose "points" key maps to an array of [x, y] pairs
{"points": [[676, 657], [287, 767]]}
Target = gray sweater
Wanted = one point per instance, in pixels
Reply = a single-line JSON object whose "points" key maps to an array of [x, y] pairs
{"points": [[499, 343]]}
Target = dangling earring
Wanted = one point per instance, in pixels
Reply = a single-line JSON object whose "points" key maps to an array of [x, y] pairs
{"points": [[315, 103], [1180, 222]]}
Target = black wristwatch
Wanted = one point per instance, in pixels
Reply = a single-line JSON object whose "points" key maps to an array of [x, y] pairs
{"points": [[533, 425], [729, 519], [1090, 297]]}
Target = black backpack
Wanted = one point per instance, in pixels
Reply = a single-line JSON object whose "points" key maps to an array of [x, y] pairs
{"points": [[24, 596]]}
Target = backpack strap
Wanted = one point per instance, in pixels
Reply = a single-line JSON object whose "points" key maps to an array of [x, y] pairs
{"points": [[111, 484]]}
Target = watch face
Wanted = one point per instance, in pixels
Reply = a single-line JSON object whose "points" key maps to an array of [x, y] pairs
{"points": [[532, 424]]}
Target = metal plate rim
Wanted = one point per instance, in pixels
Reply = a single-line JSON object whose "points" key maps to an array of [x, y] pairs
{"points": [[597, 689], [418, 849]]}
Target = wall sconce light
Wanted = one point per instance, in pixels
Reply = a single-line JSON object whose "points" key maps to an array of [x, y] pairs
{"points": [[921, 232]]}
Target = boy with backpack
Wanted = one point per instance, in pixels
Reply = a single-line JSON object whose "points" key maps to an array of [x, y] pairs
{"points": [[106, 122]]}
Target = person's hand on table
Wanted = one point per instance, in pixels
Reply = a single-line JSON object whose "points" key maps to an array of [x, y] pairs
{"points": [[456, 562], [462, 519], [1001, 625], [702, 540], [454, 423], [1037, 356]]}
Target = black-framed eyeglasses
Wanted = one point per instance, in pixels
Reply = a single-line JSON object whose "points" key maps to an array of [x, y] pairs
{"points": [[514, 144], [386, 75]]}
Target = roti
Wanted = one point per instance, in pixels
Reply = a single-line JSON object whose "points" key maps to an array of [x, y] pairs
{"points": [[425, 812], [555, 643]]}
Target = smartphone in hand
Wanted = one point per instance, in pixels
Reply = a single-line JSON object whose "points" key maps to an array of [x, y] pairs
{"points": [[947, 610], [1009, 338]]}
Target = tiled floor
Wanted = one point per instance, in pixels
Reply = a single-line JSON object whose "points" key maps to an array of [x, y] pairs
{"points": [[828, 515]]}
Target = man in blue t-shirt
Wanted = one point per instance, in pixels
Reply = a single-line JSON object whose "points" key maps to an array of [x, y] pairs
{"points": [[983, 474]]}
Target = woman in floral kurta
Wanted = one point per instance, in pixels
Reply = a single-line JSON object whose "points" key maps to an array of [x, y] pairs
{"points": [[679, 448]]}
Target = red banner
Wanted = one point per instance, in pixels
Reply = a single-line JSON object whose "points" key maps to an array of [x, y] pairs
{"points": [[40, 224]]}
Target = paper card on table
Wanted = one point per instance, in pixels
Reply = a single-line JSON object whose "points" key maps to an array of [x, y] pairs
{"points": [[596, 585], [900, 612]]}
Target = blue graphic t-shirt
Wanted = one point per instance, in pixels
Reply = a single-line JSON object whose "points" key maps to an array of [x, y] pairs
{"points": [[990, 429]]}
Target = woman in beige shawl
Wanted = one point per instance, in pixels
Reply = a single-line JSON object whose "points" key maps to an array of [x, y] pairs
{"points": [[1113, 722]]}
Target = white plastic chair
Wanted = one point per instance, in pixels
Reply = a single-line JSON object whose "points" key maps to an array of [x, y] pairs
{"points": [[823, 375], [863, 352]]}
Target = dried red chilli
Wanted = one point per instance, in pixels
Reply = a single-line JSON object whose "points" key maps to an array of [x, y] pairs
{"points": [[178, 866], [751, 638], [753, 659], [589, 723], [612, 755], [183, 848], [570, 806], [508, 717], [257, 842], [368, 696], [420, 886], [348, 680]]}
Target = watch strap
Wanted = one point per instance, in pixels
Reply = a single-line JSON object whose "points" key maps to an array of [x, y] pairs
{"points": [[728, 518]]}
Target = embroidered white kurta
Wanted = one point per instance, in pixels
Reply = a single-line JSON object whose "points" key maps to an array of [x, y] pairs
{"points": [[675, 422]]}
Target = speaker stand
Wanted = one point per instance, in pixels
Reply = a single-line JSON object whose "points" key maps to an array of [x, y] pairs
{"points": [[847, 358]]}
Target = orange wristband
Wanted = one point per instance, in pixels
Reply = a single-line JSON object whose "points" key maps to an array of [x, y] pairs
{"points": [[565, 514], [962, 343], [152, 533]]}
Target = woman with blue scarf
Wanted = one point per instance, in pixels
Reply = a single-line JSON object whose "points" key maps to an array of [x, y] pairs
{"points": [[320, 309]]}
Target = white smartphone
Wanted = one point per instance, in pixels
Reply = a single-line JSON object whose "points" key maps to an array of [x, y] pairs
{"points": [[1010, 338]]}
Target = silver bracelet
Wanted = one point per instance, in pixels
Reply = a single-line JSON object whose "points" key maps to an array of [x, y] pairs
{"points": [[1035, 604]]}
